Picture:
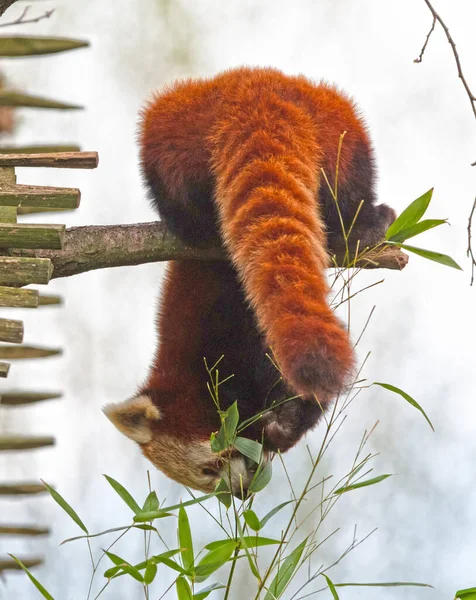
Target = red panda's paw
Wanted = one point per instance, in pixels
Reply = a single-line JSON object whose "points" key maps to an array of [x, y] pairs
{"points": [[315, 356], [286, 424]]}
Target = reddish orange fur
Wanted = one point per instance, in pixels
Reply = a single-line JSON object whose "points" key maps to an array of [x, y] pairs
{"points": [[263, 138]]}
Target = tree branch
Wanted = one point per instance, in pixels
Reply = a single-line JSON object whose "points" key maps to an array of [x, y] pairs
{"points": [[100, 247]]}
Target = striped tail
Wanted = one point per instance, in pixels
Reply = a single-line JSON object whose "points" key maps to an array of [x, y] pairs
{"points": [[267, 203]]}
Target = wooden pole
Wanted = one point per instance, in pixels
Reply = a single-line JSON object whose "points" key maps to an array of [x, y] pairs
{"points": [[25, 442]]}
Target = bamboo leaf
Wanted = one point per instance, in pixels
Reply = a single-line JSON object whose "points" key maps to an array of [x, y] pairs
{"points": [[33, 579], [438, 257], [65, 506], [261, 478], [391, 584], [252, 520], [125, 566], [141, 517], [183, 589], [202, 594], [407, 397], [361, 484], [150, 573], [185, 539], [272, 512], [466, 594], [285, 572], [151, 502], [331, 586], [411, 215], [416, 229], [249, 448], [224, 493], [124, 494], [214, 559], [251, 541]]}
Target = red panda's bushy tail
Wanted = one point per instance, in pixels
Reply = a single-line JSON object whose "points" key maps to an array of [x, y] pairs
{"points": [[266, 168]]}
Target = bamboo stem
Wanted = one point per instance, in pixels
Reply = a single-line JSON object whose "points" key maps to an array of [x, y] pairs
{"points": [[20, 45], [19, 298], [33, 196], [27, 235], [4, 368], [25, 442], [38, 149], [23, 271], [11, 331], [21, 398], [62, 160], [23, 530], [22, 352], [10, 565], [14, 98], [21, 489]]}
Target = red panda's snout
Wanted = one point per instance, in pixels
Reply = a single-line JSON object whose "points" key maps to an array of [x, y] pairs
{"points": [[190, 461]]}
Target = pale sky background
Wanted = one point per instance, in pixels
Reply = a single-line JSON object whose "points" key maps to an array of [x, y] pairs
{"points": [[421, 335]]}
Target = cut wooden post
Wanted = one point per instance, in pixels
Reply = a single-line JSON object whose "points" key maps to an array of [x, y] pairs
{"points": [[22, 352], [49, 300], [21, 398], [14, 98], [11, 331], [26, 235], [8, 564], [4, 368], [23, 530], [66, 160], [19, 45], [8, 214], [23, 271], [36, 149], [7, 176], [21, 489], [25, 442], [40, 197], [19, 298]]}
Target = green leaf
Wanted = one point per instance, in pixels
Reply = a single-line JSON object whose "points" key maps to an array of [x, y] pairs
{"points": [[249, 448], [331, 586], [225, 495], [285, 572], [416, 229], [202, 594], [174, 566], [157, 559], [407, 397], [214, 559], [430, 255], [113, 530], [217, 443], [142, 517], [271, 513], [151, 503], [65, 506], [125, 566], [150, 573], [124, 494], [411, 215], [231, 422], [251, 541], [261, 478], [183, 589], [185, 539], [466, 594], [361, 484], [33, 579], [391, 584], [252, 520]]}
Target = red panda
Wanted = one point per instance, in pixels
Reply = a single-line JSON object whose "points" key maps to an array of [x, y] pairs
{"points": [[238, 160]]}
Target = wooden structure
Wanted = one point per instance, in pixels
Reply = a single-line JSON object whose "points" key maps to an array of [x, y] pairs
{"points": [[15, 273]]}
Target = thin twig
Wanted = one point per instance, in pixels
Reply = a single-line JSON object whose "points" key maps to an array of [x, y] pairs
{"points": [[420, 58], [21, 20], [469, 251]]}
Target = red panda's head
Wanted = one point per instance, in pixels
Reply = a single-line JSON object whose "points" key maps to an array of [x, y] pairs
{"points": [[188, 459]]}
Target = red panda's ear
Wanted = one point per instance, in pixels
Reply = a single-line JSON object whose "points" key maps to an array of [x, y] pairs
{"points": [[134, 417]]}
